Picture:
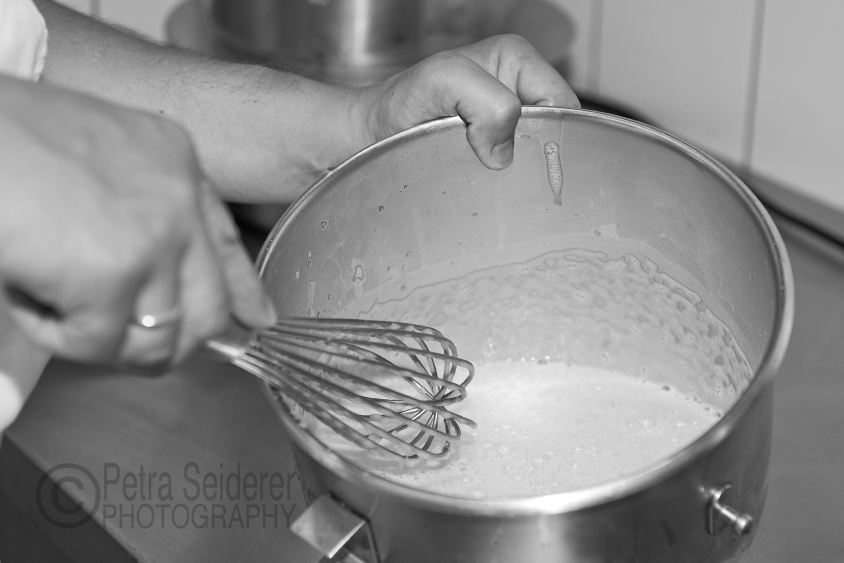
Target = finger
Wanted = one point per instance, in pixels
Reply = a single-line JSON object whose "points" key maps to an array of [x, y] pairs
{"points": [[154, 325], [491, 113], [518, 65], [205, 301], [249, 302], [92, 330], [491, 110]]}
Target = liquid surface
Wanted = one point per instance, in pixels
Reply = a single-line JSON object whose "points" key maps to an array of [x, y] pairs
{"points": [[589, 368], [550, 428], [581, 307]]}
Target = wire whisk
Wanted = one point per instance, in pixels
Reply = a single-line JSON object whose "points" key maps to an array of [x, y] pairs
{"points": [[382, 385]]}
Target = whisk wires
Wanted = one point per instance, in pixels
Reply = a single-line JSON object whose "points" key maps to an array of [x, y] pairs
{"points": [[382, 385]]}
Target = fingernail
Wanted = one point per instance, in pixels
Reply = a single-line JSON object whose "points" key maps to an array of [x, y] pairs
{"points": [[502, 155], [270, 314]]}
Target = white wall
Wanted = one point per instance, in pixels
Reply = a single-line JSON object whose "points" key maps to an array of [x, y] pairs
{"points": [[798, 135], [757, 83], [683, 65]]}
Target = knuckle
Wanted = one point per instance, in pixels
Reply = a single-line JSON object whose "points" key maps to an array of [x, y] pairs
{"points": [[168, 220], [181, 199], [119, 262], [512, 41], [507, 109], [160, 227], [433, 67]]}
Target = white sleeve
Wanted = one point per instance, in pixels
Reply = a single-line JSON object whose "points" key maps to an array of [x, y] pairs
{"points": [[23, 39], [21, 364]]}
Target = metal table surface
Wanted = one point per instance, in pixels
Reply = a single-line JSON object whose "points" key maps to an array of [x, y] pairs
{"points": [[217, 419]]}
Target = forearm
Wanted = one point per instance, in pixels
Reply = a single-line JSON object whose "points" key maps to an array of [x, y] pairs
{"points": [[263, 135], [260, 134]]}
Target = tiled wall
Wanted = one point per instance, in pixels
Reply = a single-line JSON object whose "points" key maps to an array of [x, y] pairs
{"points": [[757, 83], [798, 134]]}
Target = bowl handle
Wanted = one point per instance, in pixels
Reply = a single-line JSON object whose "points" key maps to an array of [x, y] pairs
{"points": [[741, 523], [334, 531]]}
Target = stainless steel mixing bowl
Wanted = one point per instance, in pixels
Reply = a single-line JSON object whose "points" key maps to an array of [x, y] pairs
{"points": [[384, 213]]}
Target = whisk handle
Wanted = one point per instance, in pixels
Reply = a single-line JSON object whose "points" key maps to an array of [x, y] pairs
{"points": [[229, 345]]}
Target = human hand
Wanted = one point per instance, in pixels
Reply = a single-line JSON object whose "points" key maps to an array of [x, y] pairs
{"points": [[106, 217], [485, 84]]}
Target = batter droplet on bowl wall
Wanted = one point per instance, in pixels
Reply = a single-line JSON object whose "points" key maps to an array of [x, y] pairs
{"points": [[555, 171]]}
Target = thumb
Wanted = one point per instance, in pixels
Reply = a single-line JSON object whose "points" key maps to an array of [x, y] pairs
{"points": [[250, 304]]}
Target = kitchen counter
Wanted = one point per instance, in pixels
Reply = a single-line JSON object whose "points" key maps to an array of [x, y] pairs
{"points": [[206, 421]]}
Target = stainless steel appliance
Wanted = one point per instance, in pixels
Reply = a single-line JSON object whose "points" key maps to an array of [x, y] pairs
{"points": [[354, 42], [350, 40]]}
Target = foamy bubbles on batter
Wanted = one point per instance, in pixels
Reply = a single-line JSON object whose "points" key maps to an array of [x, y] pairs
{"points": [[582, 307], [550, 428]]}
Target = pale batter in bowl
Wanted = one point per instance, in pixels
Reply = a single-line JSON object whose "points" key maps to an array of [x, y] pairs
{"points": [[588, 369]]}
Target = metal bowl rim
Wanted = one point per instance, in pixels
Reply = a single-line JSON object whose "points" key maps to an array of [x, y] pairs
{"points": [[604, 492]]}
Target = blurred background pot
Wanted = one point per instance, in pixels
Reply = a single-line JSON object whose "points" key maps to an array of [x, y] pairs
{"points": [[363, 41]]}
